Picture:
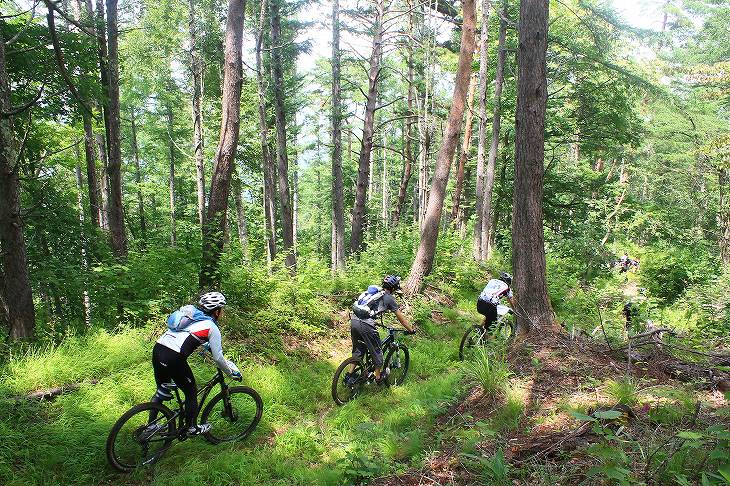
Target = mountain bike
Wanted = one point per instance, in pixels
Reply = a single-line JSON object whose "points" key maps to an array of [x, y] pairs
{"points": [[346, 386], [146, 431], [478, 335]]}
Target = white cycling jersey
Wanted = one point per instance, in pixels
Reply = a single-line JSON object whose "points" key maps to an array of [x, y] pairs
{"points": [[197, 333], [495, 290]]}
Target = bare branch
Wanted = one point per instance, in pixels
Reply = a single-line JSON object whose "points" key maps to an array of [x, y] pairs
{"points": [[25, 106], [25, 27]]}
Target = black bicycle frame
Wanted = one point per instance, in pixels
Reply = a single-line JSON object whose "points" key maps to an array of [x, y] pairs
{"points": [[202, 395]]}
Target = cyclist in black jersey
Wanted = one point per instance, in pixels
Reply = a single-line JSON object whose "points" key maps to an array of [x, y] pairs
{"points": [[169, 357]]}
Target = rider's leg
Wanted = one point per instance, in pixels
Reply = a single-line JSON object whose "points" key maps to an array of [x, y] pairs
{"points": [[355, 336], [186, 382], [162, 376], [489, 311], [369, 335]]}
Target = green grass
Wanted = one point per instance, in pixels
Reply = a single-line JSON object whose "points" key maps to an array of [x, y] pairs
{"points": [[303, 438]]}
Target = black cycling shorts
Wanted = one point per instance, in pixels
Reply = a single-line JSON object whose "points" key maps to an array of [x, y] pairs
{"points": [[488, 310], [170, 366], [365, 333]]}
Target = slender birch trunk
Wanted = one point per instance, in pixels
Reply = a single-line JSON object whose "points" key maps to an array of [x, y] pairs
{"points": [[196, 73], [487, 210], [482, 133], [338, 205]]}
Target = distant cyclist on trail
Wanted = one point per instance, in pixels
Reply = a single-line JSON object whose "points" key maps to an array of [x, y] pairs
{"points": [[188, 328], [371, 304], [490, 297]]}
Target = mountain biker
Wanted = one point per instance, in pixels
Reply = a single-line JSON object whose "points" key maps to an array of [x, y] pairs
{"points": [[169, 357], [365, 330], [491, 295]]}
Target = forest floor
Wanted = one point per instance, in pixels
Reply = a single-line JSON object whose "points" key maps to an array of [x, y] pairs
{"points": [[435, 429]]}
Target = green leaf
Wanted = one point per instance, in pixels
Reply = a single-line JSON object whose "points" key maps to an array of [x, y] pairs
{"points": [[607, 414], [725, 472], [686, 434], [582, 416]]}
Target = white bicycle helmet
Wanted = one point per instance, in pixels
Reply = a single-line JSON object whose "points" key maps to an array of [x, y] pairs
{"points": [[212, 300]]}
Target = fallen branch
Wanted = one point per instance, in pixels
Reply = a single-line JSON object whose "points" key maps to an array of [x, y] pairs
{"points": [[52, 393]]}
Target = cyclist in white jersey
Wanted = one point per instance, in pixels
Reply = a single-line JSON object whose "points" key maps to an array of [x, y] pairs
{"points": [[488, 300], [170, 354]]}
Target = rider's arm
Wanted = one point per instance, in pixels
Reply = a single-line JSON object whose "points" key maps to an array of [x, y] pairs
{"points": [[402, 319], [216, 349]]}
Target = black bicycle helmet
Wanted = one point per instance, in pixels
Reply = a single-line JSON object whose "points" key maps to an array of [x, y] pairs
{"points": [[391, 282], [506, 278]]}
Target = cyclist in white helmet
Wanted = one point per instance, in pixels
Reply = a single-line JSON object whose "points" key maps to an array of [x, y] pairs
{"points": [[169, 356]]}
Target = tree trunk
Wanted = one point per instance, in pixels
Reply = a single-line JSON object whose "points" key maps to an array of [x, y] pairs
{"points": [[385, 200], [724, 215], [17, 295], [429, 234], [482, 134], [266, 160], [118, 236], [295, 201], [528, 243], [220, 183], [241, 219], [363, 173], [338, 204], [171, 180], [196, 73], [287, 220], [91, 176], [408, 150], [101, 147], [463, 156], [487, 237], [84, 244], [138, 182]]}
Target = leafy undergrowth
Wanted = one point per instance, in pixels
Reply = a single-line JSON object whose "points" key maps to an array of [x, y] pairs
{"points": [[571, 414]]}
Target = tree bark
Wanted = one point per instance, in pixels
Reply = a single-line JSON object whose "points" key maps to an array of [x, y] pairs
{"points": [[138, 182], [84, 241], [363, 173], [266, 160], [118, 236], [482, 133], [277, 74], [91, 175], [241, 219], [385, 199], [171, 180], [338, 205], [487, 237], [724, 215], [528, 241], [463, 156], [104, 186], [429, 234], [196, 73], [220, 183], [408, 150], [17, 295]]}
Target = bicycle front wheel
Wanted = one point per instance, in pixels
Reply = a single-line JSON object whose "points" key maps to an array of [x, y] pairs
{"points": [[346, 384], [140, 436], [397, 361], [474, 338], [232, 414]]}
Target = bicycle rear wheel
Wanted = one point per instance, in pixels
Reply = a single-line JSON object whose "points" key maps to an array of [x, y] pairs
{"points": [[137, 441], [398, 361], [232, 415], [474, 338], [346, 384]]}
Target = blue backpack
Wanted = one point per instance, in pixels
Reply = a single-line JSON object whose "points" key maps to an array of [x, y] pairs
{"points": [[363, 306], [184, 316]]}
